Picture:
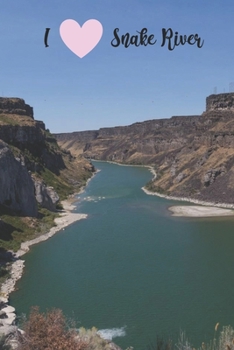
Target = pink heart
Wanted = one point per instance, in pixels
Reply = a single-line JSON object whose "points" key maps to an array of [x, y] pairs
{"points": [[81, 40]]}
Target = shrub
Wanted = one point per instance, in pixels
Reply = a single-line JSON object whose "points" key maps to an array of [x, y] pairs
{"points": [[49, 331], [224, 342], [226, 338], [183, 343], [59, 206]]}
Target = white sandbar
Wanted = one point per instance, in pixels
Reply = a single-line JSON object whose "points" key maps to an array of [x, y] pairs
{"points": [[200, 211]]}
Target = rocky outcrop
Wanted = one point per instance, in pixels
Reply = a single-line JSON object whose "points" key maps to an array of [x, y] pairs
{"points": [[15, 106], [46, 196], [212, 174], [179, 178], [33, 138], [17, 188], [19, 129], [220, 102]]}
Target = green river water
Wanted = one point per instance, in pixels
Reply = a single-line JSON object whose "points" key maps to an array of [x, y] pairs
{"points": [[131, 269]]}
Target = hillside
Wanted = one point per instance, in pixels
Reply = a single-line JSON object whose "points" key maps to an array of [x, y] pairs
{"points": [[35, 174], [193, 155]]}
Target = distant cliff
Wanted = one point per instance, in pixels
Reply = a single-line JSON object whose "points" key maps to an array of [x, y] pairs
{"points": [[193, 155], [220, 102]]}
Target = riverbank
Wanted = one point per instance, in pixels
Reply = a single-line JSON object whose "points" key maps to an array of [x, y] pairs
{"points": [[187, 199], [203, 212], [205, 209], [65, 219], [187, 211], [7, 312], [150, 167]]}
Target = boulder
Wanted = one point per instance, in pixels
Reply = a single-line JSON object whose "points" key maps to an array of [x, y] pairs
{"points": [[2, 314], [46, 196], [7, 330]]}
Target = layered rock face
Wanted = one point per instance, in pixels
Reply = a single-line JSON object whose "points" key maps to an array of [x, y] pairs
{"points": [[136, 143], [220, 102], [19, 129], [193, 155], [17, 188], [15, 106], [33, 147]]}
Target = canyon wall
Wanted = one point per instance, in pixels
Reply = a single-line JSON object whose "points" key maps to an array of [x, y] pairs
{"points": [[193, 155], [31, 162]]}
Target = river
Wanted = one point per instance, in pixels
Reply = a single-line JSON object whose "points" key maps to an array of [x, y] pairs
{"points": [[130, 268]]}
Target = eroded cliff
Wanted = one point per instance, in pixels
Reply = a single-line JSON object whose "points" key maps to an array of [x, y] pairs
{"points": [[35, 173]]}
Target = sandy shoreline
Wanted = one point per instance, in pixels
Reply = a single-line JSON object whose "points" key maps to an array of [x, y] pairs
{"points": [[200, 211]]}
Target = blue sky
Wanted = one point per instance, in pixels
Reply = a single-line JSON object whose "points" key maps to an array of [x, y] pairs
{"points": [[114, 86]]}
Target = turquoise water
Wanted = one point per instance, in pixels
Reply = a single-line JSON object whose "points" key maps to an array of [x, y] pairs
{"points": [[131, 268]]}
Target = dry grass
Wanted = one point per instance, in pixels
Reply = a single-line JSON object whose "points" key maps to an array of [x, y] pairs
{"points": [[15, 119], [223, 341]]}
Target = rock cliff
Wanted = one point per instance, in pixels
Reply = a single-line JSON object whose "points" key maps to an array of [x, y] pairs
{"points": [[16, 185], [19, 129], [220, 102], [15, 106], [33, 168], [193, 155]]}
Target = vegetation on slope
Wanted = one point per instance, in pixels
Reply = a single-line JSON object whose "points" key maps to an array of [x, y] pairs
{"points": [[15, 229], [52, 331]]}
